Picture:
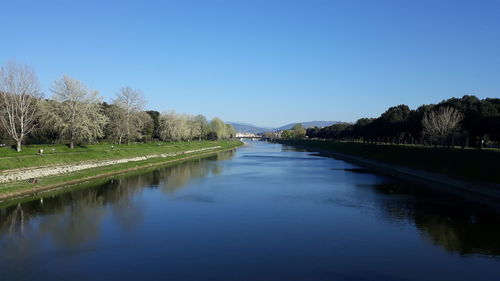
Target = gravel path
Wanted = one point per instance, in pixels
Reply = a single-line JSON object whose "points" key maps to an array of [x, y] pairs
{"points": [[24, 174]]}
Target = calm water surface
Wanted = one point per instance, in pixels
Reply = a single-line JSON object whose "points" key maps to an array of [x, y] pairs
{"points": [[263, 212]]}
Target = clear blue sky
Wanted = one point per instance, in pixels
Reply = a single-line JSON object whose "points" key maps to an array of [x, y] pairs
{"points": [[265, 62]]}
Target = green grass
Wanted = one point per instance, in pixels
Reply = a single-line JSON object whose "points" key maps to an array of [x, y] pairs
{"points": [[29, 157], [109, 171], [481, 166]]}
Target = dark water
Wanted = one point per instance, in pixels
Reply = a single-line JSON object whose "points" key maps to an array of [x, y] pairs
{"points": [[264, 212]]}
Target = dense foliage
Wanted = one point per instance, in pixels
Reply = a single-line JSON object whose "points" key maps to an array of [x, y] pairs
{"points": [[467, 122]]}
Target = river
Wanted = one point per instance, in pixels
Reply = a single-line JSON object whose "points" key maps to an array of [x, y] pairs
{"points": [[261, 212]]}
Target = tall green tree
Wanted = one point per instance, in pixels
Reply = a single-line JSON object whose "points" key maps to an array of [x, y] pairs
{"points": [[286, 134], [155, 115], [218, 128], [298, 131]]}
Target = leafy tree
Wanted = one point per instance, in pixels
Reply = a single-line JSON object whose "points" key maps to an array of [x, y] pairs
{"points": [[218, 127], [470, 106], [492, 121], [212, 136], [313, 132], [393, 122], [155, 115], [199, 126], [286, 134], [298, 131], [360, 129]]}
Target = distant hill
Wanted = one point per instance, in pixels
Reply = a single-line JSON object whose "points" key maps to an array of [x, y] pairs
{"points": [[308, 124], [249, 128]]}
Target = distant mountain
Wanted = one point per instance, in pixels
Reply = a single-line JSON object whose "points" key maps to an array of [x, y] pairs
{"points": [[249, 128], [308, 124]]}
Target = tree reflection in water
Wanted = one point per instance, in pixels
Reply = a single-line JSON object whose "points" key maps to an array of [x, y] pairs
{"points": [[178, 176], [451, 222], [74, 218]]}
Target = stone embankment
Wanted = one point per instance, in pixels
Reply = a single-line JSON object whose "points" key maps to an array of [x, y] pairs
{"points": [[38, 172]]}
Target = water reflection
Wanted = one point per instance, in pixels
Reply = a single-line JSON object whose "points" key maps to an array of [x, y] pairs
{"points": [[446, 220], [449, 221], [355, 170], [270, 213], [74, 218]]}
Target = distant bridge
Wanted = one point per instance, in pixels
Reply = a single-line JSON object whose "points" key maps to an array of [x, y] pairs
{"points": [[251, 136], [246, 135]]}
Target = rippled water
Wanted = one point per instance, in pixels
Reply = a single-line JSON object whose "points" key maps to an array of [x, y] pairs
{"points": [[262, 212]]}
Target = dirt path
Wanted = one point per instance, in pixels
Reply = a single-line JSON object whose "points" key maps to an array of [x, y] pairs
{"points": [[38, 172]]}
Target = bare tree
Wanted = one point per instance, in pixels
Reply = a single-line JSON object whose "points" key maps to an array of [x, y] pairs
{"points": [[441, 123], [132, 101], [19, 97], [141, 122], [117, 126], [76, 111]]}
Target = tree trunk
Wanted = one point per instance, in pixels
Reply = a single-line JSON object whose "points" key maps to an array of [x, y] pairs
{"points": [[72, 144], [18, 146], [128, 128]]}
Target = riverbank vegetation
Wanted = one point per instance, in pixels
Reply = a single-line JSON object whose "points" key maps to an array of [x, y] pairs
{"points": [[76, 115], [74, 135], [425, 138], [61, 154], [172, 153], [463, 122]]}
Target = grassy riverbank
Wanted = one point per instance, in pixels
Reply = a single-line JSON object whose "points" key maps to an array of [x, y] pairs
{"points": [[480, 166], [62, 154], [99, 153]]}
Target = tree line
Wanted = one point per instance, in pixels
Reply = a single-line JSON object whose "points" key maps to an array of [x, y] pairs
{"points": [[77, 115], [466, 122]]}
